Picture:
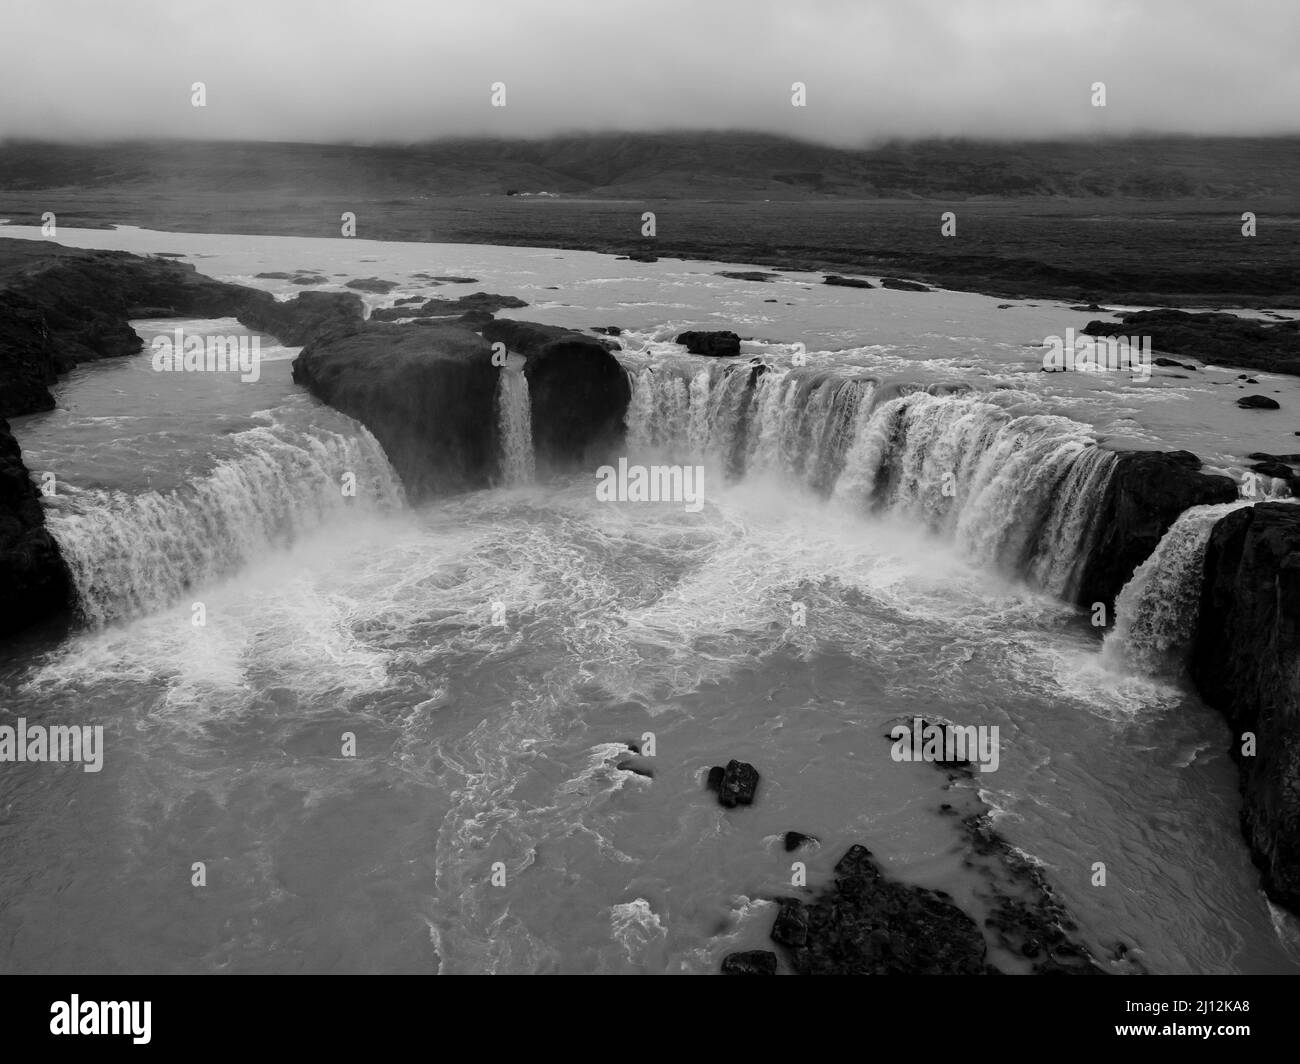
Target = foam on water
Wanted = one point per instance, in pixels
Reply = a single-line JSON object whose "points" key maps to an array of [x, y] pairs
{"points": [[493, 653]]}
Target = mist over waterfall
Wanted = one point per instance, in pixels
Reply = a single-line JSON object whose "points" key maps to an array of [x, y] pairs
{"points": [[515, 424], [1016, 489], [1157, 610], [130, 554]]}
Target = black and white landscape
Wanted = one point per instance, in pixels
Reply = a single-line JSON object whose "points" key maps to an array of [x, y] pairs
{"points": [[650, 488]]}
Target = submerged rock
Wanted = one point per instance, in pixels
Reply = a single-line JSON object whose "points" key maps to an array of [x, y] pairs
{"points": [[900, 285], [794, 839], [846, 282], [639, 765]]}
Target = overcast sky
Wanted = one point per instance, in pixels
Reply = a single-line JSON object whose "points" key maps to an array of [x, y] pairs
{"points": [[366, 70]]}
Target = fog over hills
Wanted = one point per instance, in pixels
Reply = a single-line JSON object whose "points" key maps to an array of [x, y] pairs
{"points": [[674, 164]]}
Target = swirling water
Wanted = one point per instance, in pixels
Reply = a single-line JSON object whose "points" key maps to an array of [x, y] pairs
{"points": [[387, 708]]}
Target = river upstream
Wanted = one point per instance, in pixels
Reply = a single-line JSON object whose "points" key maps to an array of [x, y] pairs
{"points": [[492, 653]]}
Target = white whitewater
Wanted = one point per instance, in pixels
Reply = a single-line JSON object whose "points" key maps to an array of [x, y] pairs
{"points": [[1014, 488], [515, 424], [131, 554], [1157, 610]]}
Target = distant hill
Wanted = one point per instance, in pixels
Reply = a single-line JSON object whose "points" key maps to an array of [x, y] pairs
{"points": [[672, 165]]}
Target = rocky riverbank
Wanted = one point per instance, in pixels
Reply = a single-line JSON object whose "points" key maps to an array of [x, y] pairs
{"points": [[1246, 663], [61, 307]]}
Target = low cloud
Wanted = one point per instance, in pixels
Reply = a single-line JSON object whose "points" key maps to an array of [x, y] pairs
{"points": [[395, 70]]}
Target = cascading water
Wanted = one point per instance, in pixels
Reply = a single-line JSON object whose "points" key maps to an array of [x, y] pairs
{"points": [[515, 424], [130, 554], [1157, 610], [1015, 488]]}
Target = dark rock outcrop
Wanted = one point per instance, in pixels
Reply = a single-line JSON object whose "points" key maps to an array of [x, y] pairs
{"points": [[60, 307], [1246, 663], [1146, 494], [718, 344], [751, 962], [869, 925], [738, 785], [427, 394], [442, 308], [900, 285], [847, 282], [34, 582], [1221, 339], [748, 275], [794, 839], [1258, 402], [371, 284], [307, 316], [64, 306], [579, 392]]}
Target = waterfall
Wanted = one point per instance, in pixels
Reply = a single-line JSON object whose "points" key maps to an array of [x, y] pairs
{"points": [[1014, 488], [1157, 610], [515, 424], [130, 554]]}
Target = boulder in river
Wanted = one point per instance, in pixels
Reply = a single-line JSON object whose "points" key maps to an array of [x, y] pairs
{"points": [[1258, 402], [371, 284], [739, 783], [718, 344]]}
